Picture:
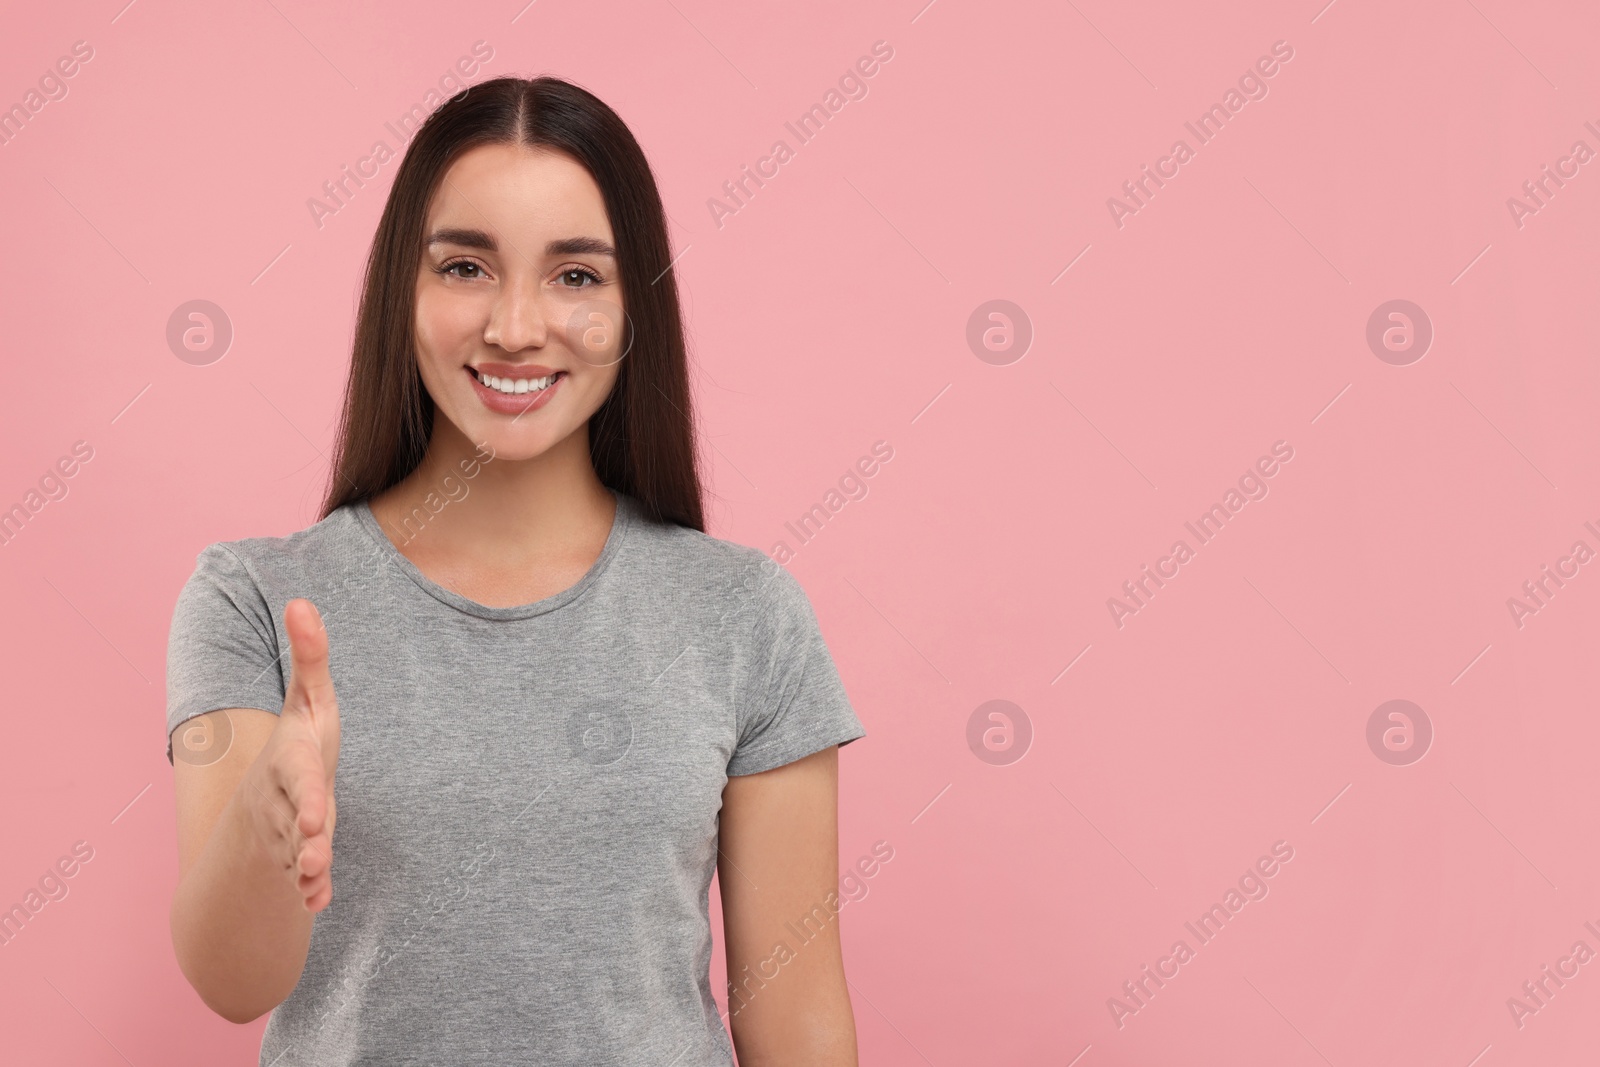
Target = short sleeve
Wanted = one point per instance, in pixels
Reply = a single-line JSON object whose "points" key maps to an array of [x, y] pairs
{"points": [[222, 651], [793, 701]]}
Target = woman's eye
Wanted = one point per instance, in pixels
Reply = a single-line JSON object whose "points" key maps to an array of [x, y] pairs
{"points": [[578, 274], [450, 268]]}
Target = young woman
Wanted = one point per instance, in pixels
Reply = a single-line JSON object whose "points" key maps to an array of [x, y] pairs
{"points": [[540, 702]]}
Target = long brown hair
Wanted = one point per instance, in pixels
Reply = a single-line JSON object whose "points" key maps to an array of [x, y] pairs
{"points": [[642, 436]]}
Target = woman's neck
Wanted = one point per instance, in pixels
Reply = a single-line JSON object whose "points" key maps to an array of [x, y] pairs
{"points": [[468, 505]]}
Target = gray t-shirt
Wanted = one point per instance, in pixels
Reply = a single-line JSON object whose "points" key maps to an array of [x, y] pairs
{"points": [[528, 796]]}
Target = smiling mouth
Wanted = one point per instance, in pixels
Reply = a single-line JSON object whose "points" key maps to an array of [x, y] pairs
{"points": [[517, 386]]}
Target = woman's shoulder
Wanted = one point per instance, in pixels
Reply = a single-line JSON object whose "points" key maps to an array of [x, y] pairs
{"points": [[687, 547], [265, 560], [723, 568]]}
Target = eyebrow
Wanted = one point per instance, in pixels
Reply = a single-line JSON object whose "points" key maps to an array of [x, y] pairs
{"points": [[567, 246]]}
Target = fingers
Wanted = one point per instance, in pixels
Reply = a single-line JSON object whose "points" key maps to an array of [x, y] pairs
{"points": [[320, 900], [314, 867], [299, 774], [313, 860], [308, 658], [303, 767], [308, 816]]}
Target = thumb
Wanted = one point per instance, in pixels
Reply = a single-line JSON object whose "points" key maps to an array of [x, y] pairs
{"points": [[310, 685]]}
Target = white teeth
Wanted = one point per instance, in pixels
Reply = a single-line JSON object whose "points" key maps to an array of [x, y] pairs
{"points": [[513, 386]]}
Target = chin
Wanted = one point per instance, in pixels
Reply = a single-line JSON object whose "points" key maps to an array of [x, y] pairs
{"points": [[517, 455], [515, 443]]}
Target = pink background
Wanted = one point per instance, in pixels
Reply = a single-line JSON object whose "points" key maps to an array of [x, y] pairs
{"points": [[831, 312]]}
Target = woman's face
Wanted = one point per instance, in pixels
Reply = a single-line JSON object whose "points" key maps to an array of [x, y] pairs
{"points": [[519, 304]]}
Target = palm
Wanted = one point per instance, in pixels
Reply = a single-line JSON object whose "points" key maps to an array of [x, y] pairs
{"points": [[301, 759]]}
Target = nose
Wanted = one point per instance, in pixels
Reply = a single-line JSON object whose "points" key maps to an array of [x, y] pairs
{"points": [[517, 316]]}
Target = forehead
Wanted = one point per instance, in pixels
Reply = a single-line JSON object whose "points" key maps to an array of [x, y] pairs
{"points": [[520, 189]]}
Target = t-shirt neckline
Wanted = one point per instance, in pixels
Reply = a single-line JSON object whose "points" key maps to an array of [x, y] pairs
{"points": [[619, 528]]}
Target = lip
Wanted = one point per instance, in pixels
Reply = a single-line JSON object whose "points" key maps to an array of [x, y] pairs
{"points": [[514, 403]]}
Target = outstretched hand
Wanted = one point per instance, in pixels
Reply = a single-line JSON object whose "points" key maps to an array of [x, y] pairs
{"points": [[294, 774]]}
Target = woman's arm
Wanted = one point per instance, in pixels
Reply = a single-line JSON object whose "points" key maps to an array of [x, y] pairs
{"points": [[779, 872], [239, 928], [255, 837]]}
